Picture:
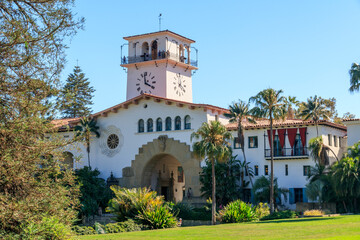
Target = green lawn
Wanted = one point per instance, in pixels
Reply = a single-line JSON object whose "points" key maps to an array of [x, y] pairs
{"points": [[334, 228]]}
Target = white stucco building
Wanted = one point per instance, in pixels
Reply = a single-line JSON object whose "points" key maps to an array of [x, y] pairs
{"points": [[145, 141], [353, 126]]}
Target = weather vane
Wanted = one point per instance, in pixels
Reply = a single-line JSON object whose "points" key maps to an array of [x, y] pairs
{"points": [[160, 22]]}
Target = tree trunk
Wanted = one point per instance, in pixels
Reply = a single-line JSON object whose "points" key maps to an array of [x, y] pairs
{"points": [[88, 152], [337, 159], [317, 130], [345, 206], [272, 209], [213, 207]]}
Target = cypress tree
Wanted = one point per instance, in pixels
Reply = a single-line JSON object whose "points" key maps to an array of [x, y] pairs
{"points": [[75, 97]]}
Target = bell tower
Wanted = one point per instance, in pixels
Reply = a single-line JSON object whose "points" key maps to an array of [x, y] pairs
{"points": [[159, 63]]}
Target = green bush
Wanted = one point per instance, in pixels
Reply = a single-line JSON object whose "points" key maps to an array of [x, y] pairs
{"points": [[83, 230], [127, 203], [99, 228], [48, 228], [157, 216], [114, 228], [127, 226], [262, 210], [238, 211], [280, 215], [187, 212]]}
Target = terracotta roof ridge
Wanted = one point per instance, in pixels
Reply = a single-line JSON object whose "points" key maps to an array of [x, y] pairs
{"points": [[147, 95], [157, 32]]}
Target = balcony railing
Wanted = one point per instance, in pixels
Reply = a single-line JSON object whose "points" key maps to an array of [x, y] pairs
{"points": [[160, 55], [301, 152]]}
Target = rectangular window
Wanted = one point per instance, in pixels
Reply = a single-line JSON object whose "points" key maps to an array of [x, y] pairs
{"points": [[253, 142], [306, 170], [256, 170], [180, 174], [329, 139], [266, 170], [339, 141], [286, 170], [216, 117], [236, 143], [335, 141], [298, 192]]}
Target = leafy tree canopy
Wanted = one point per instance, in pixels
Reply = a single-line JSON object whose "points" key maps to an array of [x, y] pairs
{"points": [[34, 190]]}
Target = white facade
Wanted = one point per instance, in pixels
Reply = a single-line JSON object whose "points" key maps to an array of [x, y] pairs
{"points": [[159, 64], [353, 135], [140, 155]]}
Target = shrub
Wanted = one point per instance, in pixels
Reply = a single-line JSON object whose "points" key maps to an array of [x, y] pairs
{"points": [[94, 192], [236, 212], [156, 216], [48, 228], [99, 229], [127, 226], [131, 226], [262, 210], [280, 215], [187, 212], [84, 230], [128, 203], [314, 212]]}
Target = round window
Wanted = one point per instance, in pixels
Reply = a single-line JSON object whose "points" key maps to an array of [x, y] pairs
{"points": [[113, 141]]}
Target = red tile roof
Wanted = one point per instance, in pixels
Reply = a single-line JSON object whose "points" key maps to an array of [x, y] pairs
{"points": [[136, 100], [160, 32], [264, 123], [64, 124], [351, 120]]}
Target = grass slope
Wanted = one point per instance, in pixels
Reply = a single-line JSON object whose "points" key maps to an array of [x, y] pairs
{"points": [[342, 227]]}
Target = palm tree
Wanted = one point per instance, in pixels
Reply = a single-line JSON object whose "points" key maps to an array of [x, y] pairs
{"points": [[213, 144], [262, 187], [270, 104], [86, 130], [315, 110], [319, 151], [238, 112], [346, 181], [354, 77], [291, 106]]}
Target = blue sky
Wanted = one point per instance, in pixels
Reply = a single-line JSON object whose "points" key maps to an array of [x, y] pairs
{"points": [[303, 47]]}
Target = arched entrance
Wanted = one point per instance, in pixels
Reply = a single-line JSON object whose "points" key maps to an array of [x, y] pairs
{"points": [[164, 174], [167, 155]]}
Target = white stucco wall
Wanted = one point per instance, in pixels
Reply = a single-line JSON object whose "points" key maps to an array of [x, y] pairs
{"points": [[295, 177], [353, 134], [127, 121]]}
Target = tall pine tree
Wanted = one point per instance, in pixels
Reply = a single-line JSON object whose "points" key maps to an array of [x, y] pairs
{"points": [[75, 97]]}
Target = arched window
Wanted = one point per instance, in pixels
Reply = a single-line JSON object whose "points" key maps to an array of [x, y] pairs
{"points": [[141, 126], [150, 125], [145, 51], [187, 122], [168, 124], [154, 50], [177, 123], [159, 125], [181, 53]]}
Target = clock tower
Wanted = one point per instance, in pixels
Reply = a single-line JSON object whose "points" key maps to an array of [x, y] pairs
{"points": [[159, 63]]}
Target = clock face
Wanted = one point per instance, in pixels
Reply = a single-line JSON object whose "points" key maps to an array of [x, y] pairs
{"points": [[179, 85], [145, 83]]}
